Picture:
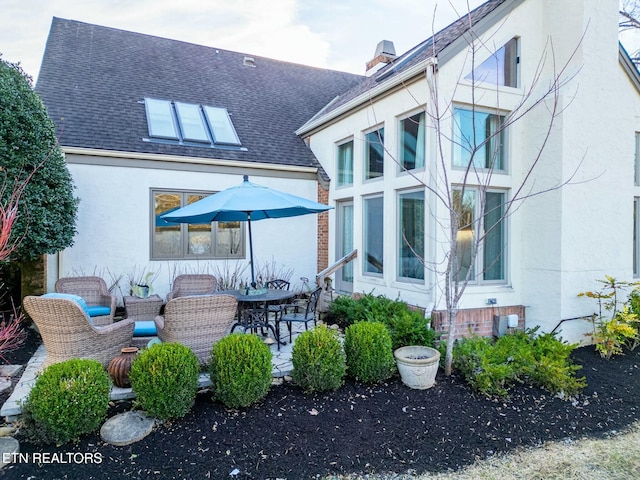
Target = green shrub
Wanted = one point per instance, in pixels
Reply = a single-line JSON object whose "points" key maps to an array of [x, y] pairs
{"points": [[165, 380], [368, 350], [493, 367], [69, 399], [240, 370], [319, 361], [406, 326]]}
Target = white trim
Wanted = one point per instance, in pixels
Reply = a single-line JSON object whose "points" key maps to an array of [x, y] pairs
{"points": [[181, 159], [367, 96]]}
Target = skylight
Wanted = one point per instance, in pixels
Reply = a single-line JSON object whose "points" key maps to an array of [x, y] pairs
{"points": [[189, 124], [223, 131], [160, 119]]}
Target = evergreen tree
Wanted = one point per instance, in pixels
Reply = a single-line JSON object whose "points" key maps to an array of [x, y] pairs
{"points": [[29, 152]]}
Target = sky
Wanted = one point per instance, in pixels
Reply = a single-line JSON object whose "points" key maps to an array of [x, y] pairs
{"points": [[335, 34]]}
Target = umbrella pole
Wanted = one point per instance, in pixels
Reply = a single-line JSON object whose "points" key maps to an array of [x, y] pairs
{"points": [[253, 278]]}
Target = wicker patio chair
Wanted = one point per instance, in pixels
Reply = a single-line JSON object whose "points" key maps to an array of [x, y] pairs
{"points": [[94, 291], [192, 284], [67, 332], [197, 321]]}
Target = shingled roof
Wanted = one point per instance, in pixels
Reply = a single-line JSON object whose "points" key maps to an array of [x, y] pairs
{"points": [[93, 81], [431, 47]]}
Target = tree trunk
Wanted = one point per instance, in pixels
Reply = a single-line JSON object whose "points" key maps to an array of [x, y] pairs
{"points": [[33, 275]]}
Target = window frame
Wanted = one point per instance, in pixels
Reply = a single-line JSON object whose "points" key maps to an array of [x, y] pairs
{"points": [[636, 162], [496, 75], [340, 175], [378, 132], [400, 237], [636, 237], [184, 231], [365, 238], [460, 151], [402, 164], [210, 119], [479, 266]]}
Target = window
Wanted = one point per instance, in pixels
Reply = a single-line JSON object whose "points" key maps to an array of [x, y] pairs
{"points": [[344, 246], [189, 124], [160, 119], [490, 261], [221, 126], [411, 221], [345, 164], [412, 142], [176, 240], [479, 139], [636, 164], [373, 244], [501, 68], [374, 154], [636, 236]]}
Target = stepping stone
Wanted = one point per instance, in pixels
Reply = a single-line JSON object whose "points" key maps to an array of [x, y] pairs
{"points": [[9, 447], [5, 383], [10, 370], [126, 428]]}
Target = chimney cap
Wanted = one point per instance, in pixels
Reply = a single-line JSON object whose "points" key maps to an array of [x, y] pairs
{"points": [[385, 53], [385, 47]]}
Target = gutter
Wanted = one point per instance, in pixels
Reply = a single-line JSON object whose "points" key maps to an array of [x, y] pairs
{"points": [[185, 160]]}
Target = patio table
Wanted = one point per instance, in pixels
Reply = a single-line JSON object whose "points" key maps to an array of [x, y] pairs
{"points": [[253, 304]]}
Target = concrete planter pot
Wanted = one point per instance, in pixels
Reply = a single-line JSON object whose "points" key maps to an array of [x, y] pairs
{"points": [[417, 365]]}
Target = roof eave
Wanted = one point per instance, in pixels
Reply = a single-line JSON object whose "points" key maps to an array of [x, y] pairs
{"points": [[366, 97], [628, 66]]}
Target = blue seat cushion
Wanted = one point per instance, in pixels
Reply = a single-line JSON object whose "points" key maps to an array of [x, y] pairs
{"points": [[144, 328], [98, 311], [67, 296]]}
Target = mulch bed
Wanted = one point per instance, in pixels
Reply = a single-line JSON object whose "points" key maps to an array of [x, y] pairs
{"points": [[359, 428]]}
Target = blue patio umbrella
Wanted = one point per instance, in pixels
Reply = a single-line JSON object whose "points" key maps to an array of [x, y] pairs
{"points": [[245, 202]]}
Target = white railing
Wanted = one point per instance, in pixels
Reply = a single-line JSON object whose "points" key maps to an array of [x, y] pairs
{"points": [[321, 278]]}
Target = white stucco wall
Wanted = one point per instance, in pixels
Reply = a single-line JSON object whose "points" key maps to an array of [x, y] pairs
{"points": [[559, 242], [114, 218]]}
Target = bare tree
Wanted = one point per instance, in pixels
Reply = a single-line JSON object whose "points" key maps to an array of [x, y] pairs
{"points": [[471, 214], [630, 21]]}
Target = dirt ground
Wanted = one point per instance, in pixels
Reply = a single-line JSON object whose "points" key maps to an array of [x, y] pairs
{"points": [[357, 429]]}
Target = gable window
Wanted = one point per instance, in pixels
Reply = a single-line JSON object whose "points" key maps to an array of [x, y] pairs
{"points": [[184, 241], [345, 164], [478, 139], [374, 154], [411, 221], [189, 124], [490, 261], [501, 68], [412, 142], [373, 238]]}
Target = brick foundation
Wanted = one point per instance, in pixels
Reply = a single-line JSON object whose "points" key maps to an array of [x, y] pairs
{"points": [[475, 321]]}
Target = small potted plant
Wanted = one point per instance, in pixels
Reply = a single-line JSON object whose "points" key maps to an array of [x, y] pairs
{"points": [[141, 286]]}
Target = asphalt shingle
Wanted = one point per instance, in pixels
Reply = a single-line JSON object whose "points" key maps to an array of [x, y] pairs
{"points": [[93, 81]]}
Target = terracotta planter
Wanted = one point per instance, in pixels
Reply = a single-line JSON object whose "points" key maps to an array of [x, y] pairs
{"points": [[120, 366], [417, 365]]}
